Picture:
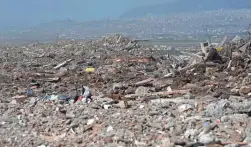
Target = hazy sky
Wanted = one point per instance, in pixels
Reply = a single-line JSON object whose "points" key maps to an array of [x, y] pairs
{"points": [[35, 11]]}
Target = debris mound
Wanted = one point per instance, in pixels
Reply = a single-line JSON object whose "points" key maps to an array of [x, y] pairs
{"points": [[114, 92]]}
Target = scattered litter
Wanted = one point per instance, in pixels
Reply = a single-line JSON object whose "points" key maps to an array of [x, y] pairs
{"points": [[58, 97], [62, 64], [185, 107], [90, 121], [109, 129], [90, 69]]}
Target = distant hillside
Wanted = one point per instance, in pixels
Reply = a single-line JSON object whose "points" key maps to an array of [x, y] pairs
{"points": [[180, 6], [180, 26]]}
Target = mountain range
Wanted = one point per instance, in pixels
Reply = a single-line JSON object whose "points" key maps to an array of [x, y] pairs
{"points": [[181, 6]]}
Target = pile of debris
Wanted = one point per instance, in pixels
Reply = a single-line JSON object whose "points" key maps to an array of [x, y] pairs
{"points": [[114, 92]]}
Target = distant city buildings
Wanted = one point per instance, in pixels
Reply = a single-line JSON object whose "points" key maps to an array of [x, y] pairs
{"points": [[190, 26]]}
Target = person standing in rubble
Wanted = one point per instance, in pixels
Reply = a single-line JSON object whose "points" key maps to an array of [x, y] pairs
{"points": [[86, 93], [212, 55]]}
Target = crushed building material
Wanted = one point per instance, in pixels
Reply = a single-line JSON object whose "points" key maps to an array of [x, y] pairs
{"points": [[132, 95]]}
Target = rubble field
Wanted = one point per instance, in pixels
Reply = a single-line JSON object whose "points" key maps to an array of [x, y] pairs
{"points": [[134, 95]]}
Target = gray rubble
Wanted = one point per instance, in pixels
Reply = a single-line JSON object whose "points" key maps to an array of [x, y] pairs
{"points": [[134, 102]]}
